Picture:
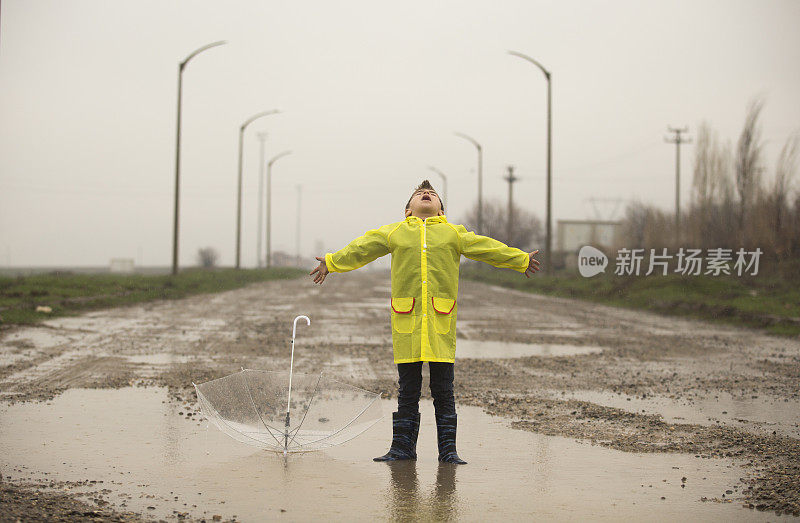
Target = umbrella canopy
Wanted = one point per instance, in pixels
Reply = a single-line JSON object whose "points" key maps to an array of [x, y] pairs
{"points": [[287, 413]]}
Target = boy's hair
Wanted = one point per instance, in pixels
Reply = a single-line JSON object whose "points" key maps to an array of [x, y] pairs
{"points": [[425, 185]]}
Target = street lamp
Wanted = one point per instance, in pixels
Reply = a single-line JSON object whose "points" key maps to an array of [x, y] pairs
{"points": [[444, 181], [480, 178], [269, 204], [181, 67], [262, 137], [239, 186], [548, 266]]}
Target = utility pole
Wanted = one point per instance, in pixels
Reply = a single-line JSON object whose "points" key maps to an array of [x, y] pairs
{"points": [[677, 140], [510, 224], [262, 137]]}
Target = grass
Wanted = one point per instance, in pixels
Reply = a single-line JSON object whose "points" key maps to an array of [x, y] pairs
{"points": [[68, 294], [769, 300]]}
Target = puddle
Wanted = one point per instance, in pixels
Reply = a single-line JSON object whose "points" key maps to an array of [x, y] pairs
{"points": [[471, 348], [758, 415], [147, 455]]}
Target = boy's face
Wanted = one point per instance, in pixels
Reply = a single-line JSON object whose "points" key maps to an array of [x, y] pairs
{"points": [[424, 203]]}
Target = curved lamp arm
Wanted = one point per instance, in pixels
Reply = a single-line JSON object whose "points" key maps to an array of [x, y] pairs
{"points": [[257, 116], [531, 60], [437, 171], [470, 138], [275, 159], [200, 50]]}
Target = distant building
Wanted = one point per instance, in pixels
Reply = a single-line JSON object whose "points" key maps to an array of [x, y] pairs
{"points": [[121, 266], [571, 235]]}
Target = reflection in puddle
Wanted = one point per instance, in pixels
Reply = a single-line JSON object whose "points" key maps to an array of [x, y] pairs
{"points": [[146, 454], [500, 349], [759, 415]]}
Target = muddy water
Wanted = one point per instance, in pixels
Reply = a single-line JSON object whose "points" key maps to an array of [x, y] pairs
{"points": [[134, 443]]}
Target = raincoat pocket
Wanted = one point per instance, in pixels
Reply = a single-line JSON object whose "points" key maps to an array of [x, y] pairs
{"points": [[402, 314], [442, 317]]}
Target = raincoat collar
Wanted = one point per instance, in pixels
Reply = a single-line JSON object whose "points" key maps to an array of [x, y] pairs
{"points": [[432, 219]]}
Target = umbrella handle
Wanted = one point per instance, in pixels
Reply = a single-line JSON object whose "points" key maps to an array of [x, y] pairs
{"points": [[291, 367], [294, 325]]}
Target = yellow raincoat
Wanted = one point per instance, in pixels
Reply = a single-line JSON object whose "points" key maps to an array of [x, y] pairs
{"points": [[425, 264]]}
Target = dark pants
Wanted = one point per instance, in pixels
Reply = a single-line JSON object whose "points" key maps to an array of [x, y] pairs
{"points": [[411, 387]]}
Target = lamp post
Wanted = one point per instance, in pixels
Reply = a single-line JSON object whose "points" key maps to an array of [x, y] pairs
{"points": [[239, 186], [269, 204], [181, 67], [262, 137], [444, 181], [480, 177], [548, 266]]}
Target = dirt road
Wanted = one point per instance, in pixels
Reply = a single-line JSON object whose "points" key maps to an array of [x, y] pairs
{"points": [[623, 379]]}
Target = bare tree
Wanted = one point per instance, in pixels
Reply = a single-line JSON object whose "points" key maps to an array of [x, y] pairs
{"points": [[207, 257], [732, 205], [635, 223], [709, 218], [748, 162], [528, 233], [781, 187]]}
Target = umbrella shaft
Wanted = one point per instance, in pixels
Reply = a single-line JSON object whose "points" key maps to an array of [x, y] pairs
{"points": [[291, 368]]}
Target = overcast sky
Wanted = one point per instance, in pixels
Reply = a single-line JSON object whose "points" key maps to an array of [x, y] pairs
{"points": [[371, 93]]}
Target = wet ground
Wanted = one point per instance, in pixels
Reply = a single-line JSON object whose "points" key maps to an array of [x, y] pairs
{"points": [[567, 410]]}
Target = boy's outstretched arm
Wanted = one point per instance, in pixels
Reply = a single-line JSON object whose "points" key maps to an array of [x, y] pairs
{"points": [[496, 253], [359, 252]]}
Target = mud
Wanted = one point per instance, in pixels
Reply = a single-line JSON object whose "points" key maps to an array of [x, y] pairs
{"points": [[678, 391]]}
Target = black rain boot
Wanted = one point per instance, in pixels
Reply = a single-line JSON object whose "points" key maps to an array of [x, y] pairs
{"points": [[405, 429], [446, 434]]}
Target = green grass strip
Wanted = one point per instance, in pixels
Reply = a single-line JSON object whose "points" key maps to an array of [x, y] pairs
{"points": [[770, 302], [69, 293]]}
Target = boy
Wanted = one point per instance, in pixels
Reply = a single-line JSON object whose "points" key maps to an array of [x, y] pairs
{"points": [[426, 250]]}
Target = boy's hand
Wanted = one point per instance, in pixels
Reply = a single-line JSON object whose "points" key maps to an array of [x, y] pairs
{"points": [[322, 271], [533, 264]]}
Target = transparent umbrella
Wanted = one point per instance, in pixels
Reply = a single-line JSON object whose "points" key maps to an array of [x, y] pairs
{"points": [[294, 413]]}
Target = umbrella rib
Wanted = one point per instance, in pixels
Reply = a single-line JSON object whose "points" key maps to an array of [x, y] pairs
{"points": [[218, 417], [313, 395], [247, 386], [350, 422]]}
